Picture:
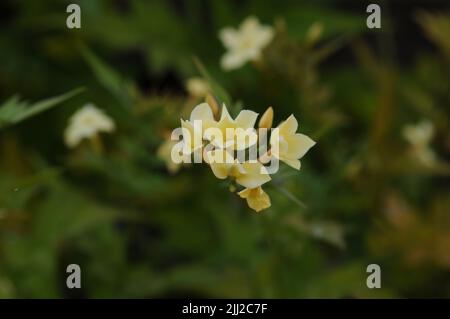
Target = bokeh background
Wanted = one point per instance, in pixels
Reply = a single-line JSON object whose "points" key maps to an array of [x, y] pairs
{"points": [[138, 230]]}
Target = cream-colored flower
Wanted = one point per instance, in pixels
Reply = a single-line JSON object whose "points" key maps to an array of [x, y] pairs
{"points": [[201, 118], [244, 44], [240, 134], [257, 198], [86, 123], [247, 174], [197, 87], [291, 145], [227, 137], [420, 136], [164, 152]]}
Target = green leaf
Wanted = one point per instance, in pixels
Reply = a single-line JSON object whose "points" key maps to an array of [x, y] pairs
{"points": [[437, 28], [108, 77], [14, 110]]}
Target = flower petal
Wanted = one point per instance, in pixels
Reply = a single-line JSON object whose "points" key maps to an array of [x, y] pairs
{"points": [[229, 37], [257, 199], [250, 24], [289, 126], [264, 36], [220, 170], [246, 119], [294, 163], [232, 60], [225, 115], [202, 112], [255, 175], [298, 145], [221, 163], [245, 193], [244, 138]]}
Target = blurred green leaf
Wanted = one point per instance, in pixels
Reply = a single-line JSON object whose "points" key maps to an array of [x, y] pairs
{"points": [[14, 110], [437, 27], [108, 77]]}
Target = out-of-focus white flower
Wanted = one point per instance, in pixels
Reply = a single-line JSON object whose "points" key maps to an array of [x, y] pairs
{"points": [[291, 145], [197, 87], [420, 136], [86, 123], [244, 44]]}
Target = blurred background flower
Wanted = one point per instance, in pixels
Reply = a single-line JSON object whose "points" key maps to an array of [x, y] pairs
{"points": [[87, 123], [244, 44], [420, 136]]}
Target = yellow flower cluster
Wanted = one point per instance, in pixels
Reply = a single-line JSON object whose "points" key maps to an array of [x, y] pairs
{"points": [[287, 145]]}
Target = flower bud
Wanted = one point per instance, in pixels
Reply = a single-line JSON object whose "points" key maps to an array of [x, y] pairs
{"points": [[314, 33], [212, 102], [266, 119], [197, 87]]}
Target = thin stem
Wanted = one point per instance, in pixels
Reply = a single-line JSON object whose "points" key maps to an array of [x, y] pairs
{"points": [[96, 144], [291, 196]]}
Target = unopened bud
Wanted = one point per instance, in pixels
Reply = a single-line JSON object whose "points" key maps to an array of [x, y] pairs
{"points": [[266, 119], [212, 102], [197, 87], [314, 32]]}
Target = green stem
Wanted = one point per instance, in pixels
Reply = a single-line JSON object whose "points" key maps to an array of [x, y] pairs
{"points": [[291, 196]]}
